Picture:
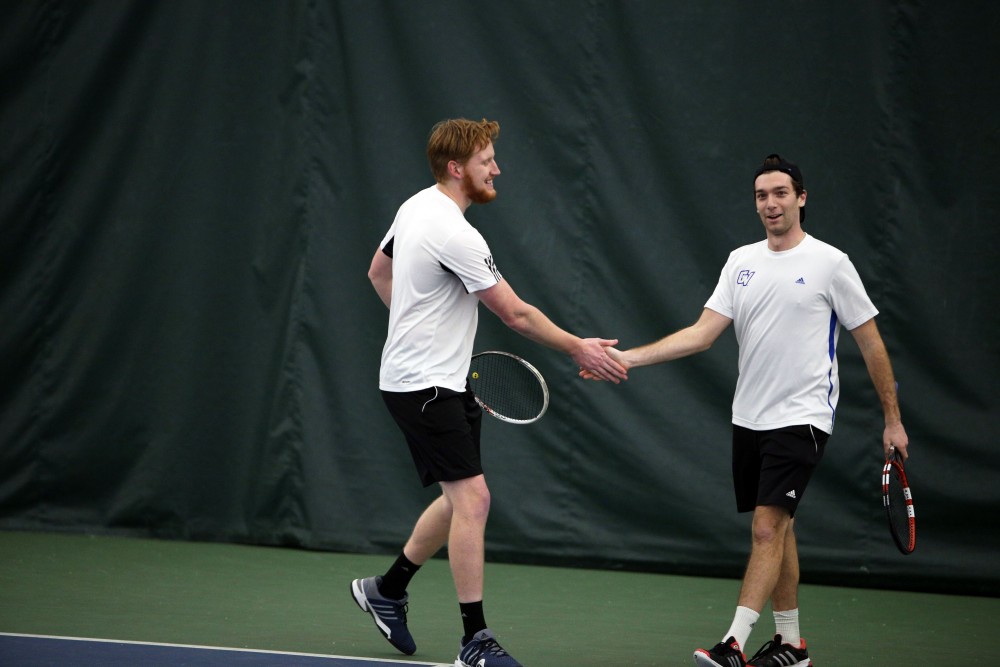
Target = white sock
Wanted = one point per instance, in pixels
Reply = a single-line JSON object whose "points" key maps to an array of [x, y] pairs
{"points": [[786, 624], [743, 623]]}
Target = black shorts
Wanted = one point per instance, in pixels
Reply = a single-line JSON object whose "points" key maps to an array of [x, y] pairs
{"points": [[774, 467], [442, 428]]}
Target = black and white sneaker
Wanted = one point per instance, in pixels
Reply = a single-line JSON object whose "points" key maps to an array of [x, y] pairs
{"points": [[723, 654], [776, 654], [389, 615]]}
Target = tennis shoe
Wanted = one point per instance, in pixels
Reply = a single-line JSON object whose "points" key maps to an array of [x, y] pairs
{"points": [[389, 615], [776, 654], [723, 654], [484, 651]]}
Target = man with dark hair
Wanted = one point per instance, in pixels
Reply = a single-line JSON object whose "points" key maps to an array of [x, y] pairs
{"points": [[787, 297], [431, 270]]}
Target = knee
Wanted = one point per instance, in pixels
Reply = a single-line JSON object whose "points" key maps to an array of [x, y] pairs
{"points": [[472, 501], [765, 533], [479, 505], [770, 527]]}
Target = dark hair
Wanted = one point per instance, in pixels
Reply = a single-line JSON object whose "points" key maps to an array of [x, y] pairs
{"points": [[775, 162], [458, 139]]}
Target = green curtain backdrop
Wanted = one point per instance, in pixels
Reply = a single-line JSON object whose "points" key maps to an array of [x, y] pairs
{"points": [[191, 192]]}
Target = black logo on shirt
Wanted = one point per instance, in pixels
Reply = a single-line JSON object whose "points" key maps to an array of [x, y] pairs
{"points": [[491, 265]]}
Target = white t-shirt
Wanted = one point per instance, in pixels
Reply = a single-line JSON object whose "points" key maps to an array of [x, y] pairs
{"points": [[787, 308], [438, 261]]}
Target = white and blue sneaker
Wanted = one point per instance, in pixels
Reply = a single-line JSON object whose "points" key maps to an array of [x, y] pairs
{"points": [[484, 651], [389, 615]]}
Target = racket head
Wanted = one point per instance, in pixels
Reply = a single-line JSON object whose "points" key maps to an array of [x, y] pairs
{"points": [[508, 387], [898, 501]]}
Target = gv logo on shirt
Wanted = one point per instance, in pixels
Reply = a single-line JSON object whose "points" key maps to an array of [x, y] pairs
{"points": [[744, 277]]}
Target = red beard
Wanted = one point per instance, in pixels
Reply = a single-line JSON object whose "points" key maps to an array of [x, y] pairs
{"points": [[479, 194]]}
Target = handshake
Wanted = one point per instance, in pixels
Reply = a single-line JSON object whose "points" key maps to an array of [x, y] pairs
{"points": [[598, 359]]}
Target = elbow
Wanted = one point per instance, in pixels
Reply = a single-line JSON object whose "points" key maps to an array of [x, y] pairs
{"points": [[377, 279], [515, 323], [518, 319]]}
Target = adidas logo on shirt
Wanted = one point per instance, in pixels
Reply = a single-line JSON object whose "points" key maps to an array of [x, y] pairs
{"points": [[800, 281], [791, 494]]}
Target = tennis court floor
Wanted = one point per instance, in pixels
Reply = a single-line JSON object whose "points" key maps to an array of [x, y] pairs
{"points": [[83, 601], [41, 651]]}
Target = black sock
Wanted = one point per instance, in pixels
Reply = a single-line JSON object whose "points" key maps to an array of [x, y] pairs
{"points": [[472, 618], [395, 581]]}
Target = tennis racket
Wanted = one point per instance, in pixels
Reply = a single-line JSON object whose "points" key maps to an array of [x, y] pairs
{"points": [[508, 387], [898, 503]]}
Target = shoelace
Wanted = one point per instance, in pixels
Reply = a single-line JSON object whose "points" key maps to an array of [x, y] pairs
{"points": [[490, 647], [763, 649]]}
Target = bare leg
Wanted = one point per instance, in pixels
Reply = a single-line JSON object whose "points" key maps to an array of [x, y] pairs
{"points": [[786, 593], [770, 526], [430, 532], [470, 502], [785, 598]]}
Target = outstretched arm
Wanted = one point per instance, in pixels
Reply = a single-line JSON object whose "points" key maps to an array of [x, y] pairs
{"points": [[530, 322], [693, 339], [880, 369]]}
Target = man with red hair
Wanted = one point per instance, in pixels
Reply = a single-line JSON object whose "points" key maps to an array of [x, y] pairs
{"points": [[432, 270]]}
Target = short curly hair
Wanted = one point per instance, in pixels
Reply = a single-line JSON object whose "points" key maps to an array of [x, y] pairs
{"points": [[458, 139]]}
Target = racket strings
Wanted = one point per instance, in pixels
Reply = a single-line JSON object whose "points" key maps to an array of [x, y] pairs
{"points": [[507, 387]]}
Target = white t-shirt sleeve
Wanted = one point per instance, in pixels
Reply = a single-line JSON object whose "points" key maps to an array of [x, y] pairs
{"points": [[467, 255], [387, 238], [848, 297], [721, 300]]}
